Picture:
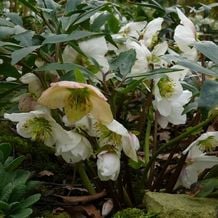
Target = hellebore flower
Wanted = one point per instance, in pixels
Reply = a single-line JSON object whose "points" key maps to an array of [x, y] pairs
{"points": [[108, 165], [96, 48], [37, 125], [78, 100], [197, 161], [185, 36], [170, 99], [118, 137], [73, 147], [34, 84]]}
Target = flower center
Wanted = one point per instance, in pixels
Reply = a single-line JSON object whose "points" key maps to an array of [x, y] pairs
{"points": [[77, 105], [208, 144], [166, 87], [39, 128], [107, 137]]}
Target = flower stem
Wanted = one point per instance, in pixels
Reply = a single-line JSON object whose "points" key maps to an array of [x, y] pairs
{"points": [[189, 131], [147, 137], [85, 179]]}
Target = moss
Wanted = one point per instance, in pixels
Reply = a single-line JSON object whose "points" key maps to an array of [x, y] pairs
{"points": [[133, 213]]}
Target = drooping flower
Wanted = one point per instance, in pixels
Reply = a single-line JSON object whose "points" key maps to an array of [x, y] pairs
{"points": [[37, 125], [197, 161], [74, 147], [34, 84], [116, 135], [185, 36], [78, 100], [108, 165]]}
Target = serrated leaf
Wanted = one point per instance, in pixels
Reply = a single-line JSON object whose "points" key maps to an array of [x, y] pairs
{"points": [[209, 94], [30, 201], [22, 213], [14, 163], [124, 62], [76, 35], [209, 49], [19, 54]]}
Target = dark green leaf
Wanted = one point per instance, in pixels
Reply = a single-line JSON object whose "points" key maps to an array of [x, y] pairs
{"points": [[113, 24], [209, 94], [7, 70], [14, 163], [6, 149], [124, 62], [19, 54], [71, 5], [15, 18], [189, 64], [30, 201], [4, 206], [22, 213], [76, 35], [209, 49]]}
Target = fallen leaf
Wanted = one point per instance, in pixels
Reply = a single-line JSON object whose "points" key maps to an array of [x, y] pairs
{"points": [[107, 207], [45, 173]]}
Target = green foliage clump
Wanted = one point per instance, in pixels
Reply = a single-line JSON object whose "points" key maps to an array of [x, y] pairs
{"points": [[15, 200], [133, 213]]}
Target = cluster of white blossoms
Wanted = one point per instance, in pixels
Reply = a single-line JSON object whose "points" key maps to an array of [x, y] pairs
{"points": [[79, 102]]}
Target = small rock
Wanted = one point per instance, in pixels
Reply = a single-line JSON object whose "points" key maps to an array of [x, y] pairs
{"points": [[180, 205]]}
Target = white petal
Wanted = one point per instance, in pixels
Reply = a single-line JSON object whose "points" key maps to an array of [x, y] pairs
{"points": [[17, 117], [69, 54], [160, 49], [117, 127], [164, 107]]}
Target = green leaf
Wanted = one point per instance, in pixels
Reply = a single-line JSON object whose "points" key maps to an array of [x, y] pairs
{"points": [[113, 24], [6, 32], [15, 18], [207, 187], [12, 165], [189, 64], [22, 213], [4, 206], [124, 62], [209, 49], [6, 192], [79, 77], [6, 149], [19, 54], [209, 94], [30, 201], [7, 70], [76, 35], [99, 21], [71, 5]]}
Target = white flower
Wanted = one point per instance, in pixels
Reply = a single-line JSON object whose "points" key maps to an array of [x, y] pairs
{"points": [[73, 147], [170, 99], [116, 134], [144, 56], [185, 36], [108, 165], [151, 31], [197, 161], [133, 29], [34, 84], [96, 48], [37, 125]]}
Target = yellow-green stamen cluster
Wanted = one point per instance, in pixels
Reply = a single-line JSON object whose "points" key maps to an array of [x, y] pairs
{"points": [[166, 87], [107, 137], [208, 144], [39, 128]]}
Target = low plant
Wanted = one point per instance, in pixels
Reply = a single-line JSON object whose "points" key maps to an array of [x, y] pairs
{"points": [[15, 186]]}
